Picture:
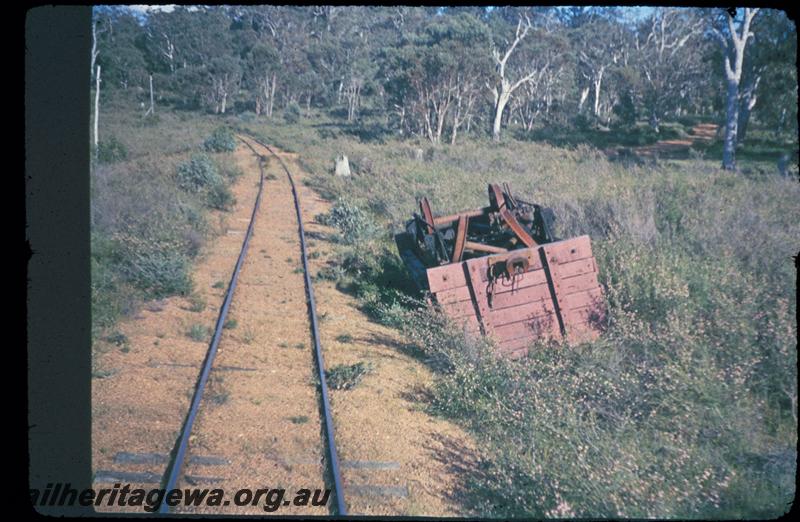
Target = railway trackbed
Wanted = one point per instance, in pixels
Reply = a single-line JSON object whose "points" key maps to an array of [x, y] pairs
{"points": [[259, 414]]}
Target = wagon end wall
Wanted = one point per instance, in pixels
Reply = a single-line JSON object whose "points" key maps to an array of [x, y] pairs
{"points": [[556, 296]]}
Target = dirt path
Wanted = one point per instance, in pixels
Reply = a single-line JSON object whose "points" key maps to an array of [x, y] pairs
{"points": [[383, 419], [701, 133], [259, 424]]}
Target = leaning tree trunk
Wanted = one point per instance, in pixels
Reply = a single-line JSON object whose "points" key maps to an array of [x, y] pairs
{"points": [[731, 126]]}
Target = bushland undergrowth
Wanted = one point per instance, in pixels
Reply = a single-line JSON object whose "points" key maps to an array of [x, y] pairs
{"points": [[152, 190], [685, 407]]}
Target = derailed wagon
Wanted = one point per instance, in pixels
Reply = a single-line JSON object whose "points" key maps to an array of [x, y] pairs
{"points": [[500, 271]]}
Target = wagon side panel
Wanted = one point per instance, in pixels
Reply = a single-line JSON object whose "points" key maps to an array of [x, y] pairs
{"points": [[576, 290]]}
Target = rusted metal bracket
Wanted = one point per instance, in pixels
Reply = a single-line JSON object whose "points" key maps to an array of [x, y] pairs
{"points": [[496, 198], [517, 228], [461, 238], [480, 247], [427, 215]]}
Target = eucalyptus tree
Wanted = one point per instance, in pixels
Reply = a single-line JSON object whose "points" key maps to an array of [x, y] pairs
{"points": [[117, 49], [274, 38], [261, 71], [670, 48], [769, 73], [601, 44], [435, 78], [552, 62], [509, 76], [733, 40]]}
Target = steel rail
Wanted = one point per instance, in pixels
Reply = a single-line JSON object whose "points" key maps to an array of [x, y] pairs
{"points": [[183, 440], [312, 312]]}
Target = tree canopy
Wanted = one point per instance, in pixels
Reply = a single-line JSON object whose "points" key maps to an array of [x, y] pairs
{"points": [[437, 72]]}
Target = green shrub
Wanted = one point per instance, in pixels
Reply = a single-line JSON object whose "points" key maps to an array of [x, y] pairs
{"points": [[292, 113], [198, 173], [198, 332], [230, 324], [160, 273], [196, 303], [353, 223], [111, 150], [221, 140], [625, 109], [118, 339], [581, 122], [220, 196], [347, 377], [231, 171]]}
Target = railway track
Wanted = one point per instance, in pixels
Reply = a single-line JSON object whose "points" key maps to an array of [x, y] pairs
{"points": [[176, 470], [244, 409]]}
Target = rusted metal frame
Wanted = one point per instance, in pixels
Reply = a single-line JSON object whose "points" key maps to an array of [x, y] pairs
{"points": [[461, 238], [478, 295], [509, 197], [554, 285], [427, 214], [450, 218], [182, 444], [496, 198], [312, 311], [517, 228], [430, 224], [415, 267], [480, 247]]}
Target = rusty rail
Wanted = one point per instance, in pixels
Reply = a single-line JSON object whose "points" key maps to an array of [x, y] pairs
{"points": [[312, 312], [176, 464]]}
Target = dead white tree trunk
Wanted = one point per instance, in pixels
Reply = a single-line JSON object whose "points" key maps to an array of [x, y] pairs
{"points": [[733, 49], [152, 109], [505, 87], [169, 53], [94, 47], [598, 81], [96, 108], [271, 102], [584, 97]]}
